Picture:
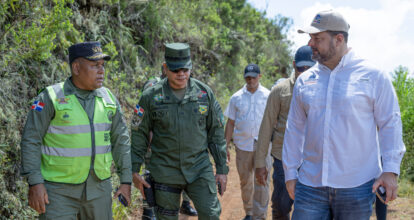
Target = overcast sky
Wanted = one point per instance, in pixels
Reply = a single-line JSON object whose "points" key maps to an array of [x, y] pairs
{"points": [[381, 30]]}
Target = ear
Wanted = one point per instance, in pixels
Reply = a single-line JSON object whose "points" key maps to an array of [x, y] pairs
{"points": [[294, 65], [339, 38], [75, 68]]}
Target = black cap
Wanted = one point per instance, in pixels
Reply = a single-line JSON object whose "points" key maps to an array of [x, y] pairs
{"points": [[251, 70], [87, 50]]}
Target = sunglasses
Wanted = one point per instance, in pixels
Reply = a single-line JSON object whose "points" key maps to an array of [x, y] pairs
{"points": [[302, 69], [178, 70]]}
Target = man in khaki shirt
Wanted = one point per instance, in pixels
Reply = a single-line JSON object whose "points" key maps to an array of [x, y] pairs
{"points": [[272, 130]]}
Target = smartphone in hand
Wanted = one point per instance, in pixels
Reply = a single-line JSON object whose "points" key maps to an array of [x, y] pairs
{"points": [[122, 199], [220, 191], [381, 194]]}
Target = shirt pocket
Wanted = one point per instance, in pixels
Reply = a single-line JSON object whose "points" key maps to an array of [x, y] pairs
{"points": [[242, 109], [261, 105], [200, 112], [311, 96], [161, 118]]}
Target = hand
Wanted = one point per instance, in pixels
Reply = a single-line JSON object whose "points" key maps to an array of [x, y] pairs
{"points": [[387, 180], [261, 175], [290, 186], [125, 190], [38, 198], [222, 178], [139, 183]]}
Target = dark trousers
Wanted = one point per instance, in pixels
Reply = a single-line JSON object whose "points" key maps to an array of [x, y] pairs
{"points": [[281, 202]]}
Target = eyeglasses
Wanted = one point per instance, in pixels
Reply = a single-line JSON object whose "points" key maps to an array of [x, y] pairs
{"points": [[302, 69], [181, 69]]}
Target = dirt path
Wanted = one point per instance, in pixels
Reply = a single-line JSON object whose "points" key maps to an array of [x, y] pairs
{"points": [[231, 202]]}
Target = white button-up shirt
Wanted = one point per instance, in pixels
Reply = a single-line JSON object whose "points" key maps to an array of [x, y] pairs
{"points": [[247, 109], [331, 133]]}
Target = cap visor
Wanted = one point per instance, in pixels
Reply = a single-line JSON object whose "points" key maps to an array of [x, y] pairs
{"points": [[310, 30], [99, 57], [179, 65], [251, 74], [305, 63]]}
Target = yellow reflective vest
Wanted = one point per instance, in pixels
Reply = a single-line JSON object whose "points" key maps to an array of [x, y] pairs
{"points": [[73, 142]]}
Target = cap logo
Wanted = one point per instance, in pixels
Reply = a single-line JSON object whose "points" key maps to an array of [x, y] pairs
{"points": [[317, 19], [250, 68], [97, 49]]}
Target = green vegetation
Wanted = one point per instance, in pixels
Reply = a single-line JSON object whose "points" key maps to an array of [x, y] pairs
{"points": [[225, 35], [405, 91]]}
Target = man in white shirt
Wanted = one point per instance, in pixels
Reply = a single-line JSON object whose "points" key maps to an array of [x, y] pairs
{"points": [[344, 115], [245, 113]]}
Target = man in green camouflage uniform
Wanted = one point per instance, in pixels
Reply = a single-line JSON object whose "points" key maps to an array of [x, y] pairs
{"points": [[187, 122], [72, 133], [185, 208]]}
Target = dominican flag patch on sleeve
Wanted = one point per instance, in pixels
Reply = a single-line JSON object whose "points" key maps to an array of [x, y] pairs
{"points": [[38, 106], [139, 111]]}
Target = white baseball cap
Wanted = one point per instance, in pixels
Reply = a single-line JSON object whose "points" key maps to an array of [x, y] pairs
{"points": [[326, 21]]}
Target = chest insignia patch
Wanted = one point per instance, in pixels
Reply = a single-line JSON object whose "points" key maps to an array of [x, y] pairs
{"points": [[202, 94], [158, 97], [311, 80], [202, 109], [62, 100], [65, 118], [38, 106]]}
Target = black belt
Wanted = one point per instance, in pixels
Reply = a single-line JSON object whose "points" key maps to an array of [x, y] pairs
{"points": [[165, 188]]}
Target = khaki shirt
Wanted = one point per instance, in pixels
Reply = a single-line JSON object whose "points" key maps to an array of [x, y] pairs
{"points": [[36, 127], [274, 121], [183, 133]]}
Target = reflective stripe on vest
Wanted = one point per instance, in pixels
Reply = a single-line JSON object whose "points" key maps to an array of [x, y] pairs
{"points": [[74, 152], [67, 145], [76, 129]]}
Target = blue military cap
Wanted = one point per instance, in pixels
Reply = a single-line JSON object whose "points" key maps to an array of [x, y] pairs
{"points": [[87, 50]]}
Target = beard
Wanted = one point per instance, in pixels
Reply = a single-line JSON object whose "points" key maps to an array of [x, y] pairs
{"points": [[323, 57]]}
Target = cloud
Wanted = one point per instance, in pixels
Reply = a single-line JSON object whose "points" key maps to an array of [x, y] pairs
{"points": [[383, 36]]}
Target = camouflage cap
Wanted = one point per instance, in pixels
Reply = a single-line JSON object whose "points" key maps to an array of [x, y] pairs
{"points": [[177, 56], [87, 50]]}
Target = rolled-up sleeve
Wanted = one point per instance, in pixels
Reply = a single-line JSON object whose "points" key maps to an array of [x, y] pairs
{"points": [[294, 136], [388, 118]]}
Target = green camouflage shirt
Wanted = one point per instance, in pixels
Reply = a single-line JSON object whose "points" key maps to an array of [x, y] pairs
{"points": [[182, 133]]}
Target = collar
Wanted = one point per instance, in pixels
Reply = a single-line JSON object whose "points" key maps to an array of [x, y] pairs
{"points": [[191, 93], [259, 88], [345, 60], [71, 89]]}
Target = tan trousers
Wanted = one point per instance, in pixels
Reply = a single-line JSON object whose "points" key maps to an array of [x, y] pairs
{"points": [[255, 197]]}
